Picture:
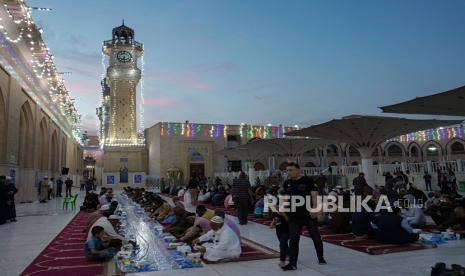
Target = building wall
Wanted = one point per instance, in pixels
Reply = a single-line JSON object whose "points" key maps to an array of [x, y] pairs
{"points": [[31, 144]]}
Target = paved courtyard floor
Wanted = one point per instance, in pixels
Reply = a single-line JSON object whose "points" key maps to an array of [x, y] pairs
{"points": [[39, 223]]}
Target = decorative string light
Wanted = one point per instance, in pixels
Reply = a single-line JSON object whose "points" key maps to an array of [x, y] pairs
{"points": [[217, 131], [41, 67], [439, 134]]}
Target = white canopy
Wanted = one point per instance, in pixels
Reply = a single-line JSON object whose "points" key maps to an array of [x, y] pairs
{"points": [[368, 131], [450, 103], [291, 147]]}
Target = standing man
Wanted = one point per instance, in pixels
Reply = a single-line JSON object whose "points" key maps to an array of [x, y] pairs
{"points": [[359, 182], [59, 187], [304, 188], [241, 193], [69, 185], [11, 191], [3, 199], [50, 188], [427, 177]]}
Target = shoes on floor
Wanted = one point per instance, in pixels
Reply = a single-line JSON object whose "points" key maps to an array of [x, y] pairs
{"points": [[288, 267], [322, 261]]}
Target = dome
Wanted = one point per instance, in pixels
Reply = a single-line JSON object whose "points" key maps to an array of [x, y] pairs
{"points": [[123, 34]]}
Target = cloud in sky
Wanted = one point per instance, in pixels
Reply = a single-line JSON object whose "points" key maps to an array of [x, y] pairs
{"points": [[184, 79], [159, 102]]}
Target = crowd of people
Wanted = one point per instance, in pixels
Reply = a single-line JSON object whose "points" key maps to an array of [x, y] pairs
{"points": [[50, 188]]}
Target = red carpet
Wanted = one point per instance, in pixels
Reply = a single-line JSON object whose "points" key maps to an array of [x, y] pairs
{"points": [[252, 251], [64, 255], [345, 240], [369, 246]]}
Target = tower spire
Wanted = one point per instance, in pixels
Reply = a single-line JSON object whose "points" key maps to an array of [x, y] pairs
{"points": [[123, 21]]}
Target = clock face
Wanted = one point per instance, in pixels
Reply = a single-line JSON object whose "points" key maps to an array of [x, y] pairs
{"points": [[124, 56]]}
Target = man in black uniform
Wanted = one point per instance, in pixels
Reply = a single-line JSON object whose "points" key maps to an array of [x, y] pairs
{"points": [[298, 185]]}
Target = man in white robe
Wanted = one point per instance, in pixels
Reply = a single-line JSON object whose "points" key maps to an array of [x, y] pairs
{"points": [[108, 225], [219, 243]]}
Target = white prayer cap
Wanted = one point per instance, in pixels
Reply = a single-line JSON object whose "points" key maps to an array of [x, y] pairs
{"points": [[8, 177], [114, 217], [105, 207], [217, 219], [46, 176]]}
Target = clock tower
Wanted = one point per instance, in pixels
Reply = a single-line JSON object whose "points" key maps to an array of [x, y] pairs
{"points": [[124, 151], [122, 77]]}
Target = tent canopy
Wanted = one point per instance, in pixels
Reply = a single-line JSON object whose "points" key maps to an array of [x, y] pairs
{"points": [[449, 103], [368, 131], [257, 149]]}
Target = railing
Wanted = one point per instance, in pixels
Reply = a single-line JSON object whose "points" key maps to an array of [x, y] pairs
{"points": [[115, 42]]}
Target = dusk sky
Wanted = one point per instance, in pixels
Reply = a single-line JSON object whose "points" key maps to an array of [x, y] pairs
{"points": [[263, 61]]}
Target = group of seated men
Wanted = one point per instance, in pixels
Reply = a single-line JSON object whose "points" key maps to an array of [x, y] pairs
{"points": [[212, 234], [103, 240], [409, 213]]}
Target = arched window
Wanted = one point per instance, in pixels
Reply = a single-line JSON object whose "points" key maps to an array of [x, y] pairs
{"points": [[332, 150], [394, 150], [457, 148], [432, 150], [414, 152]]}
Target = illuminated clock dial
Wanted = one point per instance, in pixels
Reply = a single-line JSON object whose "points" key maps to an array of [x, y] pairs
{"points": [[124, 56]]}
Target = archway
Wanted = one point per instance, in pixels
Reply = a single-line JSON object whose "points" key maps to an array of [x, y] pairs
{"points": [[332, 151], [355, 163], [432, 149], [457, 147], [54, 154], [63, 152], [26, 134], [44, 145], [394, 150]]}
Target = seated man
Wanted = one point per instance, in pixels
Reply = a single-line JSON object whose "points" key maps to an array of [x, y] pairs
{"points": [[181, 223], [413, 212], [109, 224], [229, 223], [163, 210], [93, 217], [94, 248], [90, 202], [219, 243], [200, 227], [392, 228], [201, 211], [456, 221], [204, 196], [361, 223]]}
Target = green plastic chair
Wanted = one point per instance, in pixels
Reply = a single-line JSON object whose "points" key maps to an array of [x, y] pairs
{"points": [[73, 202], [70, 201], [66, 202]]}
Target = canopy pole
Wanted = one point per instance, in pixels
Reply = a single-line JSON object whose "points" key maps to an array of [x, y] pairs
{"points": [[367, 165]]}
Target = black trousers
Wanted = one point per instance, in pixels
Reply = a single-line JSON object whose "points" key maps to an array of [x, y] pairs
{"points": [[68, 190], [295, 228], [242, 205], [428, 185], [283, 237]]}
